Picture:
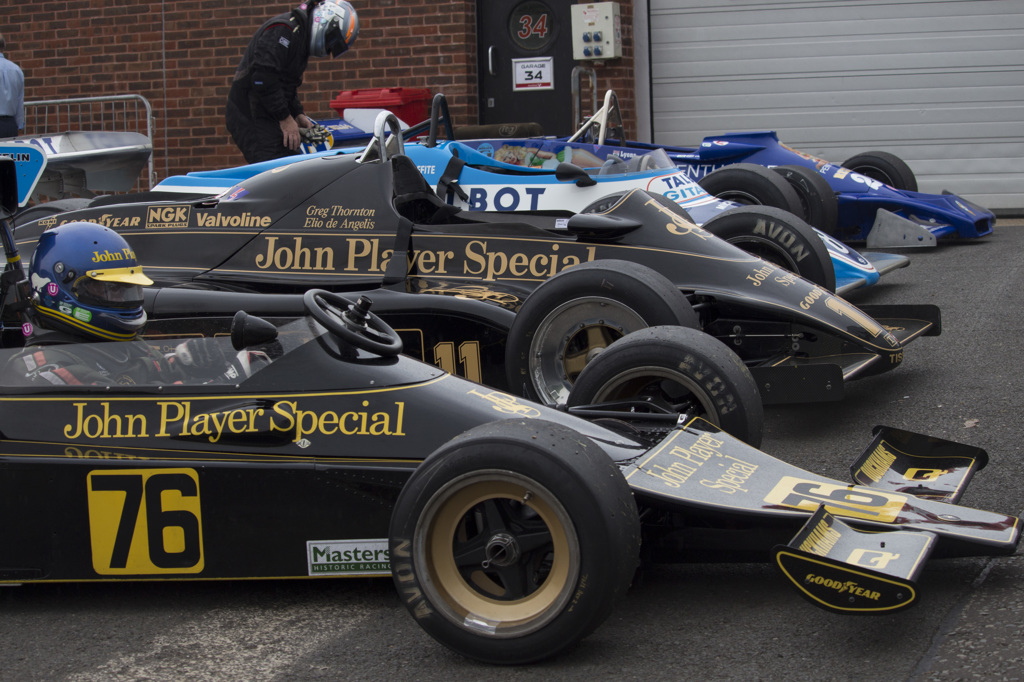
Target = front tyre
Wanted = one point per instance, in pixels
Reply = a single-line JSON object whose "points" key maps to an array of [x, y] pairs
{"points": [[752, 185], [572, 317], [818, 199], [513, 541], [677, 370], [884, 167], [778, 237]]}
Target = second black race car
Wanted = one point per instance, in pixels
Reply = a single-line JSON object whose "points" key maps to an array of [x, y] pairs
{"points": [[348, 223]]}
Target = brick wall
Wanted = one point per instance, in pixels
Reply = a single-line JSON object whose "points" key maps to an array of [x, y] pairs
{"points": [[181, 54]]}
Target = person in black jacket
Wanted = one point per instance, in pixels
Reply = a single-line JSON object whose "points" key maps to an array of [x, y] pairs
{"points": [[264, 115]]}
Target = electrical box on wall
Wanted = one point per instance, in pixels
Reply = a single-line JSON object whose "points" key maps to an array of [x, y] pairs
{"points": [[596, 31]]}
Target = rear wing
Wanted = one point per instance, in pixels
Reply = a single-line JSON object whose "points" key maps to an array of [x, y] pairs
{"points": [[848, 571]]}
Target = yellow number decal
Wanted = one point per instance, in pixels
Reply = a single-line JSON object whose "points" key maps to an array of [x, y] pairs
{"points": [[848, 501], [145, 521], [469, 356]]}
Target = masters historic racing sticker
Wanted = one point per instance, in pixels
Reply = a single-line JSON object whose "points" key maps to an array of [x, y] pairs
{"points": [[348, 557]]}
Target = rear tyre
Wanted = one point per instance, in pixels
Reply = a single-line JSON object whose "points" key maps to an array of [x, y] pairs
{"points": [[677, 370], [572, 317], [750, 184], [778, 237], [818, 199], [514, 541], [884, 167]]}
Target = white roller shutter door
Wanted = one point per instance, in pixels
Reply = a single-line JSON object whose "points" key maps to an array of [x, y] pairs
{"points": [[940, 83]]}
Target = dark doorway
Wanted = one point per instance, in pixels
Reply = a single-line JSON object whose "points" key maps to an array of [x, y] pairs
{"points": [[524, 52]]}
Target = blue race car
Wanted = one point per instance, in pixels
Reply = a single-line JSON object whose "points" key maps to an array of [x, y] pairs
{"points": [[870, 197]]}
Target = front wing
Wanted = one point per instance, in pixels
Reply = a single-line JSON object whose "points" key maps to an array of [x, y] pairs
{"points": [[842, 570], [855, 548]]}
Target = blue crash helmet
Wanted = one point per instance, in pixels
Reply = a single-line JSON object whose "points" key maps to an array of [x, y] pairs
{"points": [[86, 282], [334, 26]]}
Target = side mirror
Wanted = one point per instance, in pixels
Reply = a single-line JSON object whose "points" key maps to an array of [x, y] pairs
{"points": [[248, 330], [567, 172]]}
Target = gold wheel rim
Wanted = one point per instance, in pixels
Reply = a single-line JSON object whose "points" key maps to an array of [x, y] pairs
{"points": [[473, 598]]}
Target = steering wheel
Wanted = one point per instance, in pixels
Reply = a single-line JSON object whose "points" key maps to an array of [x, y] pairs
{"points": [[353, 323]]}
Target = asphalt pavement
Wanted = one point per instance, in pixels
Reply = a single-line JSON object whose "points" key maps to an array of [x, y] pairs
{"points": [[700, 621]]}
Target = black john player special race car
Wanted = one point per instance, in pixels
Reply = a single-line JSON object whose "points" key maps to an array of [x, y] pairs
{"points": [[354, 222], [509, 528]]}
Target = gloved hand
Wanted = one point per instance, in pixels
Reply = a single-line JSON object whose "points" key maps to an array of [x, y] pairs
{"points": [[203, 358], [315, 138], [316, 133]]}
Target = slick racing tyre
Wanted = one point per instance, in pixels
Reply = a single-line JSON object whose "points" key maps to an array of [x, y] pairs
{"points": [[680, 370], [572, 317], [778, 237], [514, 540], [750, 184], [817, 198], [884, 167], [50, 208]]}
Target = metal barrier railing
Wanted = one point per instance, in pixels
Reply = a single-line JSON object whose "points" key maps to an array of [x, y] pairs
{"points": [[131, 113]]}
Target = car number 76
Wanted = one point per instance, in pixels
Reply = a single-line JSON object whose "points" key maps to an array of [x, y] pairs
{"points": [[145, 521]]}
